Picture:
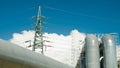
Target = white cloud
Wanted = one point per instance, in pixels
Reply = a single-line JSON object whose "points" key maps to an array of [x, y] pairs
{"points": [[20, 38], [60, 44]]}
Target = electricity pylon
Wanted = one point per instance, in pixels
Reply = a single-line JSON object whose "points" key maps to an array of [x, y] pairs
{"points": [[38, 37]]}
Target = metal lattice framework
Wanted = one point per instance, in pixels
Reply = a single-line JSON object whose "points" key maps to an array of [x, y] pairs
{"points": [[38, 37]]}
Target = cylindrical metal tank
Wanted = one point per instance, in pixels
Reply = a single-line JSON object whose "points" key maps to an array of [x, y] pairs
{"points": [[92, 52], [14, 55], [110, 59]]}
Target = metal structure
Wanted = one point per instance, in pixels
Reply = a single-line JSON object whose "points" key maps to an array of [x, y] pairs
{"points": [[38, 38], [98, 54], [118, 52], [114, 35], [110, 57], [92, 52], [14, 56], [116, 38]]}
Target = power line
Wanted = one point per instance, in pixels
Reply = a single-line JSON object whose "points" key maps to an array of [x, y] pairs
{"points": [[79, 14]]}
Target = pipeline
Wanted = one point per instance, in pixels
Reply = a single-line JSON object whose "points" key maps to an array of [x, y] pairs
{"points": [[14, 56]]}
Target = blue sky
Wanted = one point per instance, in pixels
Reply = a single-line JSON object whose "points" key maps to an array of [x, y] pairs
{"points": [[88, 16]]}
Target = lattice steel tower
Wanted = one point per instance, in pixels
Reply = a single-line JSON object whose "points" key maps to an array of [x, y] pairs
{"points": [[38, 37]]}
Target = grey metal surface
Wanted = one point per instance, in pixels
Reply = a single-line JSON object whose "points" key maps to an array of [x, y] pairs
{"points": [[110, 59], [92, 52], [14, 53]]}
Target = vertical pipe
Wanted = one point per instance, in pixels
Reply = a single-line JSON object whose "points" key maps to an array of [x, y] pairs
{"points": [[82, 60], [92, 52], [110, 59]]}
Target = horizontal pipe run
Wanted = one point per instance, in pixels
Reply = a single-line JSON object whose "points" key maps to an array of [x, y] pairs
{"points": [[20, 55]]}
